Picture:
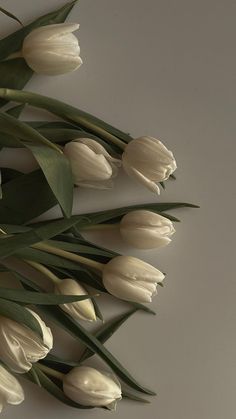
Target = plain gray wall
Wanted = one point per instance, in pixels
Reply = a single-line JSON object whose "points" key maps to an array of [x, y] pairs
{"points": [[166, 69]]}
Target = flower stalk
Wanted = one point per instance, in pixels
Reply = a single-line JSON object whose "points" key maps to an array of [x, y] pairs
{"points": [[68, 255], [50, 371], [41, 268]]}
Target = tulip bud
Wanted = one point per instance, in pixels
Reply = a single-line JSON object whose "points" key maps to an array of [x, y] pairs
{"points": [[131, 279], [79, 310], [11, 391], [92, 166], [147, 160], [52, 49], [90, 387], [146, 230], [20, 346]]}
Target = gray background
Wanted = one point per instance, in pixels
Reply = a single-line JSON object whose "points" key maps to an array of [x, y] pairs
{"points": [[166, 69]]}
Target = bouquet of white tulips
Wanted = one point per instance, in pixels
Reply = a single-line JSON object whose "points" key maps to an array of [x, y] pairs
{"points": [[58, 274]]}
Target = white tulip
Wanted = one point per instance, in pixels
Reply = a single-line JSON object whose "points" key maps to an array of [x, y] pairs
{"points": [[20, 346], [79, 310], [90, 387], [52, 49], [146, 230], [147, 160], [131, 279], [92, 166], [11, 391]]}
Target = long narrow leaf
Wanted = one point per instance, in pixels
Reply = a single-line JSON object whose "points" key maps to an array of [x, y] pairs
{"points": [[52, 161], [28, 297], [19, 314], [67, 112], [25, 197], [107, 330], [80, 333], [76, 330], [10, 15]]}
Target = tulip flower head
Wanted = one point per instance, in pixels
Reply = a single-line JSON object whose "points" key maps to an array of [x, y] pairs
{"points": [[79, 310], [146, 230], [52, 49], [11, 391], [90, 387], [20, 346], [92, 166], [147, 160], [131, 279]]}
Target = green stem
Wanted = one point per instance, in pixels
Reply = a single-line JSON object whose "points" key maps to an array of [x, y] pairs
{"points": [[68, 255], [97, 227], [67, 112], [17, 54], [53, 373], [39, 267], [100, 131]]}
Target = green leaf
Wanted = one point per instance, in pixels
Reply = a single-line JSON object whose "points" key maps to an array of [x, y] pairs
{"points": [[12, 228], [142, 307], [11, 244], [25, 197], [80, 333], [57, 170], [9, 174], [69, 113], [10, 15], [80, 248], [33, 376], [14, 73], [16, 110], [97, 310], [55, 360], [84, 220], [52, 161], [68, 268], [19, 314], [55, 166], [107, 330], [28, 297], [76, 330], [129, 395]]}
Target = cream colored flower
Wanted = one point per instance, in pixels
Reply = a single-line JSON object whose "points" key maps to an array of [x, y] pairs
{"points": [[52, 49], [11, 391], [131, 279], [92, 166], [147, 160], [146, 230], [90, 387], [79, 310], [20, 346]]}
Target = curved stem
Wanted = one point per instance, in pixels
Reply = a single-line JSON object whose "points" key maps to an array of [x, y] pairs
{"points": [[67, 112], [41, 268], [97, 227], [68, 255], [53, 373], [101, 131], [17, 54]]}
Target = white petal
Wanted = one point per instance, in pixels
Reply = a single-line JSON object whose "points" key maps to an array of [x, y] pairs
{"points": [[90, 387], [78, 310], [132, 172], [48, 32], [130, 278], [11, 391]]}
